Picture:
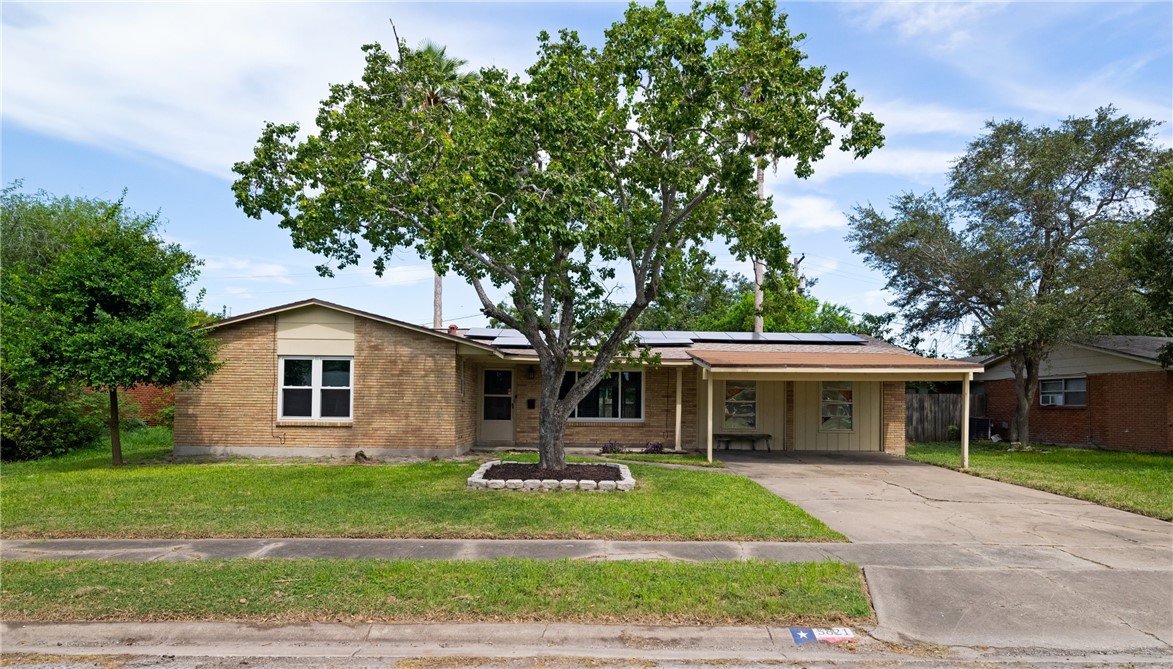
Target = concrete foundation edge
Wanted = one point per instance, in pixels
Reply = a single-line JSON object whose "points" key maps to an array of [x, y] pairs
{"points": [[316, 452]]}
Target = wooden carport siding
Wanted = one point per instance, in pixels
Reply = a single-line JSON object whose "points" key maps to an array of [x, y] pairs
{"points": [[831, 366]]}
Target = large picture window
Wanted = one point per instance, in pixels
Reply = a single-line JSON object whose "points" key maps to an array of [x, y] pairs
{"points": [[619, 396], [315, 388], [836, 406], [1063, 392], [741, 405]]}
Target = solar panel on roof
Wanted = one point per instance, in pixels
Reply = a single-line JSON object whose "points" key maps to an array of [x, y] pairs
{"points": [[711, 336], [649, 334], [679, 341], [483, 333], [842, 338], [511, 342]]}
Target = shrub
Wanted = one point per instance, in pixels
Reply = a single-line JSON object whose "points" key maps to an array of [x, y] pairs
{"points": [[40, 419], [654, 448], [611, 447]]}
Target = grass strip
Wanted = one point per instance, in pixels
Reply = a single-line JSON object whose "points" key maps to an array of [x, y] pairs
{"points": [[503, 590], [81, 495], [1138, 482]]}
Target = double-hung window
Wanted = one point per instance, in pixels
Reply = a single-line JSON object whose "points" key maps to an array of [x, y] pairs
{"points": [[741, 405], [619, 396], [1063, 392], [836, 406], [315, 388]]}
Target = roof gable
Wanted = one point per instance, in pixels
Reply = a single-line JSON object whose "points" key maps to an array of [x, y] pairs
{"points": [[314, 302]]}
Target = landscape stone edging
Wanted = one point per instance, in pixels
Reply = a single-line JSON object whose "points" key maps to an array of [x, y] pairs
{"points": [[625, 483]]}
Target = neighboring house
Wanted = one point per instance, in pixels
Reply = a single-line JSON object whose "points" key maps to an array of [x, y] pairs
{"points": [[1107, 391], [151, 400], [318, 379]]}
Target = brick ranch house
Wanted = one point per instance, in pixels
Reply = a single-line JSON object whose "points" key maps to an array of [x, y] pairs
{"points": [[319, 379], [1107, 391]]}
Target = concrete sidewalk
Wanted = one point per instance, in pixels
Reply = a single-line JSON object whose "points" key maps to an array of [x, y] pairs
{"points": [[958, 556], [475, 644]]}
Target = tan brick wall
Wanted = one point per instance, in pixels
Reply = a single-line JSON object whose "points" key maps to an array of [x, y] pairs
{"points": [[468, 376], [893, 418], [658, 424], [406, 395]]}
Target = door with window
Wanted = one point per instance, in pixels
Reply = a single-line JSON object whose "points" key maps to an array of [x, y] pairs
{"points": [[497, 406]]}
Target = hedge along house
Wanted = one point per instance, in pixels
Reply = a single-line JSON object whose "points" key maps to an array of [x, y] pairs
{"points": [[313, 379]]}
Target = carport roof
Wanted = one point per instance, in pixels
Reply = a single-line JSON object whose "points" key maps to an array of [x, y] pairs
{"points": [[817, 361]]}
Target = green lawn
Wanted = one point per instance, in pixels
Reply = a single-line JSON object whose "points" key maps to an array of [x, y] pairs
{"points": [[82, 495], [1140, 482], [385, 590]]}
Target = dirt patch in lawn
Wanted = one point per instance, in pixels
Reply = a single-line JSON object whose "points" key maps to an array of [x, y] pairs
{"points": [[525, 471]]}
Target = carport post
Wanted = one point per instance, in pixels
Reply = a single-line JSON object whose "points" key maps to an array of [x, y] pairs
{"points": [[965, 420], [679, 402], [709, 416]]}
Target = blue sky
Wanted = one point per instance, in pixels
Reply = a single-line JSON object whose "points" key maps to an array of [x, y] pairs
{"points": [[162, 98]]}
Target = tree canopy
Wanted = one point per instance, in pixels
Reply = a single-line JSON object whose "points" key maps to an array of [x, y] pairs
{"points": [[1019, 246], [1147, 258], [631, 156], [106, 307]]}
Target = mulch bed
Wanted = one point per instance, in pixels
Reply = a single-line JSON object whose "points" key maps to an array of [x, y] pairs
{"points": [[524, 471]]}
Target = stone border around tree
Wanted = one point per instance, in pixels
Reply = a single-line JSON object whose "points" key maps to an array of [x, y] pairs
{"points": [[478, 482]]}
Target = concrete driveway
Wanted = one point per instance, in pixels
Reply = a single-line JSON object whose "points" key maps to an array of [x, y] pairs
{"points": [[1046, 571]]}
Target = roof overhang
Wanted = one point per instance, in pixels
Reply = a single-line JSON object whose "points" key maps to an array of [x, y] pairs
{"points": [[795, 366]]}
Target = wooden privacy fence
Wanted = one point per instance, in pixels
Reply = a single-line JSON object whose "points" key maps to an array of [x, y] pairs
{"points": [[928, 417]]}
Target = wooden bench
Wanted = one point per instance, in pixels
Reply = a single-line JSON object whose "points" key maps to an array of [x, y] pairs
{"points": [[728, 438]]}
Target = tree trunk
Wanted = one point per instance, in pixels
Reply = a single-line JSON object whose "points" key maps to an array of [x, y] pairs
{"points": [[115, 437], [551, 419], [1026, 382], [438, 302]]}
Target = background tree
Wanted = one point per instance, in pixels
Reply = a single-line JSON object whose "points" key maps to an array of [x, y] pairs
{"points": [[1148, 260], [1020, 242], [109, 311], [443, 85], [38, 415], [631, 156]]}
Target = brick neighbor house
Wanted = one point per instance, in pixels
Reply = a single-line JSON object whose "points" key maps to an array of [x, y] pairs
{"points": [[319, 379], [1108, 392]]}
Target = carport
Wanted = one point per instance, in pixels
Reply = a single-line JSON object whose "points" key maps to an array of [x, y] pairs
{"points": [[827, 396]]}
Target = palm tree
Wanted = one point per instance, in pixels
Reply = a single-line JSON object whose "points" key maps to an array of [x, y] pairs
{"points": [[443, 85]]}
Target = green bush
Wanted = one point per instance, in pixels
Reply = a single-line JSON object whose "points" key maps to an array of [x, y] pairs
{"points": [[39, 419]]}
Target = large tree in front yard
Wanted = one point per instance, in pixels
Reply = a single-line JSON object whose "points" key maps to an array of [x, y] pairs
{"points": [[626, 158], [109, 310], [1021, 244]]}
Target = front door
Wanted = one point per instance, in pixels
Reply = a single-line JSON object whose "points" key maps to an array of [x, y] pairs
{"points": [[497, 406]]}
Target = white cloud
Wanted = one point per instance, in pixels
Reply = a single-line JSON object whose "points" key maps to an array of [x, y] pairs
{"points": [[807, 212], [920, 165], [400, 275], [193, 83], [244, 269], [910, 118], [947, 24]]}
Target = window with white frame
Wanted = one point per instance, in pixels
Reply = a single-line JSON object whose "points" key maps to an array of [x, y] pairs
{"points": [[741, 405], [836, 406], [619, 396], [1063, 392], [315, 388]]}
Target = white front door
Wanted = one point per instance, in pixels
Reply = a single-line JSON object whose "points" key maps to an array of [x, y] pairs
{"points": [[497, 406]]}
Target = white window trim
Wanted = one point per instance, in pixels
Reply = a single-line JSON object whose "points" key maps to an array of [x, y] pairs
{"points": [[756, 415], [853, 403], [643, 385], [315, 389], [1064, 392]]}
